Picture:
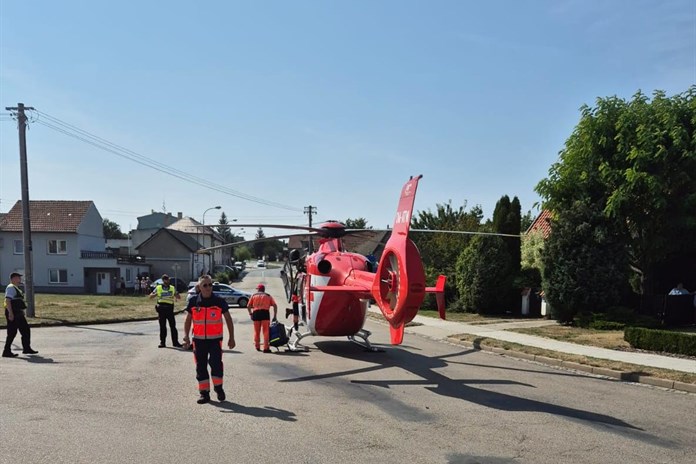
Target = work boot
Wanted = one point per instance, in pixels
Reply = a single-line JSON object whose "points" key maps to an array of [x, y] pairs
{"points": [[220, 393], [177, 344], [9, 354], [161, 345], [204, 398], [30, 351], [267, 350]]}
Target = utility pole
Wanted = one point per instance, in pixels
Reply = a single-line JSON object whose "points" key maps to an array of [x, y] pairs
{"points": [[26, 223], [309, 210]]}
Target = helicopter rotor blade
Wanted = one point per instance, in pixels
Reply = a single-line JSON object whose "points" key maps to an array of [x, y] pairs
{"points": [[262, 226], [250, 242]]}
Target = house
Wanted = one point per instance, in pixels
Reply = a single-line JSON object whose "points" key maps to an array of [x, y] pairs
{"points": [[68, 248], [148, 225], [206, 237], [541, 224], [172, 252]]}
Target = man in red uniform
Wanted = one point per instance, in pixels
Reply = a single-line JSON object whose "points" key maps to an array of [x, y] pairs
{"points": [[206, 312], [259, 310]]}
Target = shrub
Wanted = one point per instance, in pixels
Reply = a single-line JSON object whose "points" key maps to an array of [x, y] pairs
{"points": [[606, 325], [484, 275], [661, 340], [584, 263]]}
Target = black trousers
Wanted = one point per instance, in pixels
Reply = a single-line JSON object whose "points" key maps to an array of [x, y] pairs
{"points": [[19, 323], [165, 314], [208, 352]]}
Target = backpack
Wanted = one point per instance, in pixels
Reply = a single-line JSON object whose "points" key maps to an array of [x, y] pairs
{"points": [[278, 334]]}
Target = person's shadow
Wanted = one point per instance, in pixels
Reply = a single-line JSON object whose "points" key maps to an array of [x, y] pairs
{"points": [[266, 411]]}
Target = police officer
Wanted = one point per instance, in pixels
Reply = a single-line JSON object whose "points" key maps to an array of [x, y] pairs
{"points": [[259, 310], [16, 320], [166, 293], [206, 312]]}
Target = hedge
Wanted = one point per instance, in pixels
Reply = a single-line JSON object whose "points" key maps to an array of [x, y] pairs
{"points": [[661, 340]]}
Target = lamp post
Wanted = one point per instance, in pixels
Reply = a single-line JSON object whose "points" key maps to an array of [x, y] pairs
{"points": [[214, 207]]}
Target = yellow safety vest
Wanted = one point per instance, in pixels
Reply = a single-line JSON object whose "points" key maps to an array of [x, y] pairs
{"points": [[165, 296]]}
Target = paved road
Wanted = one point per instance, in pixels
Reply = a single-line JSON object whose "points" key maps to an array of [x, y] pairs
{"points": [[107, 394]]}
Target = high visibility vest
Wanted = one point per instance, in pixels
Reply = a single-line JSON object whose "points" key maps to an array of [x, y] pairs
{"points": [[260, 301], [18, 296], [207, 321], [165, 296]]}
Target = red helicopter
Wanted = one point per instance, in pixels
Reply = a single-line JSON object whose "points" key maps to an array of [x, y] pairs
{"points": [[337, 286]]}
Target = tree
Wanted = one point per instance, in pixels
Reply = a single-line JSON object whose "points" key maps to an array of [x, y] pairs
{"points": [[112, 230], [259, 247], [440, 251], [584, 263], [359, 223], [526, 221], [484, 275], [225, 232], [635, 163]]}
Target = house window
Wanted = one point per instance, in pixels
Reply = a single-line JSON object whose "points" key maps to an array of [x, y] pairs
{"points": [[18, 247], [129, 275], [57, 276], [57, 247]]}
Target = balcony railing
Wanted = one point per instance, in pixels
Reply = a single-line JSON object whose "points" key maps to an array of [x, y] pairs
{"points": [[120, 258]]}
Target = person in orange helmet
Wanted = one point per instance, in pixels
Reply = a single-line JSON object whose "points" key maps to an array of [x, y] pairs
{"points": [[259, 307]]}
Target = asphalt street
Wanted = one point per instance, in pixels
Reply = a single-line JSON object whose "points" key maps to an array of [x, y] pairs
{"points": [[106, 393]]}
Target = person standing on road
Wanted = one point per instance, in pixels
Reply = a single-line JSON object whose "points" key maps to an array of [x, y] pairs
{"points": [[16, 320], [259, 310], [166, 294], [205, 312]]}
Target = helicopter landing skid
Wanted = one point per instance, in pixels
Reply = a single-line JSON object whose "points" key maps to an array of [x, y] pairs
{"points": [[294, 345], [365, 343]]}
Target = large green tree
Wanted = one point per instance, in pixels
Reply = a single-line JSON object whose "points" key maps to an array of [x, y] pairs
{"points": [[484, 275], [357, 223], [112, 230], [635, 162], [584, 263], [440, 251]]}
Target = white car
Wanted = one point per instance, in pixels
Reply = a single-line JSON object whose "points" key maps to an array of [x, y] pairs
{"points": [[229, 294], [260, 263]]}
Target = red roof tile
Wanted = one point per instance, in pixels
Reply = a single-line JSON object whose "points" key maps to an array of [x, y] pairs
{"points": [[542, 223], [47, 216]]}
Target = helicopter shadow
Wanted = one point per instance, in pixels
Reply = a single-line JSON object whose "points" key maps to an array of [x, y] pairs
{"points": [[461, 389], [267, 411]]}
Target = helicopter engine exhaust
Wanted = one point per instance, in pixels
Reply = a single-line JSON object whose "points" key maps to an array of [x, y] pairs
{"points": [[324, 266]]}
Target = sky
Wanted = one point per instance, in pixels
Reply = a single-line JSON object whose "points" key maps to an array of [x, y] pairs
{"points": [[264, 108]]}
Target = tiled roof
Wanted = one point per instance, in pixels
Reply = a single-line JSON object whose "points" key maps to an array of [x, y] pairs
{"points": [[47, 216], [542, 223]]}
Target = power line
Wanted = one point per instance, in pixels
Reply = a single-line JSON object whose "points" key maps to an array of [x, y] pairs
{"points": [[75, 132]]}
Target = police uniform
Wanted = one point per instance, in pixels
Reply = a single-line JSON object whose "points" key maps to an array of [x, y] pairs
{"points": [[17, 305], [165, 313]]}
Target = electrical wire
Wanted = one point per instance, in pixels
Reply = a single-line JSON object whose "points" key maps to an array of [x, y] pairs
{"points": [[75, 132]]}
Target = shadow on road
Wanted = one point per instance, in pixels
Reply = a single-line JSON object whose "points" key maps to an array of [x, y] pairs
{"points": [[266, 411], [461, 389]]}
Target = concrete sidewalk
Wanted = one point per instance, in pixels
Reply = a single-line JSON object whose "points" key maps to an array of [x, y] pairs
{"points": [[439, 329]]}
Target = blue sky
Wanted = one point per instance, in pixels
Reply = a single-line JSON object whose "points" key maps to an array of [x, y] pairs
{"points": [[324, 103]]}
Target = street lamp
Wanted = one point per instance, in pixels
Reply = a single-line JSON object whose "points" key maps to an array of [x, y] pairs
{"points": [[214, 207]]}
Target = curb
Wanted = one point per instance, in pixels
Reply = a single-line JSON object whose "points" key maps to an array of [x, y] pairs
{"points": [[624, 376]]}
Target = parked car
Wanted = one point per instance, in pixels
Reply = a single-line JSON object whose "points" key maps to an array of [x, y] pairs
{"points": [[179, 284], [230, 294], [260, 263]]}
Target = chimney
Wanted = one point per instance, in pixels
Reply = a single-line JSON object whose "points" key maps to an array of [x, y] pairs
{"points": [[179, 215]]}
